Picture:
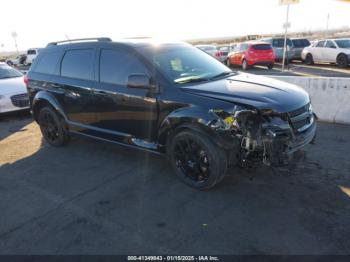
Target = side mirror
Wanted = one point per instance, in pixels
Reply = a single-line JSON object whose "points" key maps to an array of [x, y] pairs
{"points": [[139, 81], [333, 46]]}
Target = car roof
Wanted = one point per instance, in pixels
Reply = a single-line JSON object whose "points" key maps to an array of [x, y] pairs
{"points": [[132, 42], [257, 43]]}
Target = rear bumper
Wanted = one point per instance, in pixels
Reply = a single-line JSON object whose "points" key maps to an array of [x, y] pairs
{"points": [[7, 105], [263, 62]]}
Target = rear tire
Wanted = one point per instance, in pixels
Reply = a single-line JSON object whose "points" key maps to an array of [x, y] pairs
{"points": [[270, 66], [309, 60], [197, 160], [245, 65], [342, 60], [52, 127]]}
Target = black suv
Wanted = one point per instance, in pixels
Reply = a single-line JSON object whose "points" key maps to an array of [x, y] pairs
{"points": [[168, 98]]}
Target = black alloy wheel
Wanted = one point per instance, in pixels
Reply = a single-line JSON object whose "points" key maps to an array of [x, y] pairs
{"points": [[51, 127], [197, 160]]}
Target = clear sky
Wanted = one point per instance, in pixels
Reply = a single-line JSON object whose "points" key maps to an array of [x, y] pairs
{"points": [[38, 22]]}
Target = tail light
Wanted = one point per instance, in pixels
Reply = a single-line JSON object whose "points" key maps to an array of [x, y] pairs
{"points": [[25, 80], [218, 54]]}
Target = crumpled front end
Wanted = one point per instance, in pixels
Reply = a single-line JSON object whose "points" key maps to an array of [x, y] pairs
{"points": [[270, 137]]}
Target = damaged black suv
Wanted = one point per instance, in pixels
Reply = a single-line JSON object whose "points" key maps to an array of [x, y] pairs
{"points": [[171, 98]]}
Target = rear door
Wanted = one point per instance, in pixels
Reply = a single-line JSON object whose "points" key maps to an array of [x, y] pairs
{"points": [[330, 52], [129, 111], [77, 82]]}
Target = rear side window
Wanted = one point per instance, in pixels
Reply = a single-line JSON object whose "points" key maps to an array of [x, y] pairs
{"points": [[31, 52], [117, 65], [47, 63], [261, 47], [301, 43], [78, 64], [320, 44]]}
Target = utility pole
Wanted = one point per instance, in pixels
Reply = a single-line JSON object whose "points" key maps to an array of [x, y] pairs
{"points": [[286, 25], [327, 25], [14, 35]]}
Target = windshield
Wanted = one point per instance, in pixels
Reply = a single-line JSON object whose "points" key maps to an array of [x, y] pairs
{"points": [[8, 72], [261, 47], [344, 43], [184, 63]]}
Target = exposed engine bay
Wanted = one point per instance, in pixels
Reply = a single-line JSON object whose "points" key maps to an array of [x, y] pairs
{"points": [[266, 136]]}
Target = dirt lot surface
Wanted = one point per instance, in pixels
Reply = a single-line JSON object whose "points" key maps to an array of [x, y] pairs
{"points": [[95, 198]]}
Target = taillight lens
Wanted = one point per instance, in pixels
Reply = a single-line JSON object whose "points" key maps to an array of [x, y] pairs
{"points": [[218, 54], [25, 79]]}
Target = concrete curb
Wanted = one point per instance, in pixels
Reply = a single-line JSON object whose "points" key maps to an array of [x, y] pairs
{"points": [[330, 96]]}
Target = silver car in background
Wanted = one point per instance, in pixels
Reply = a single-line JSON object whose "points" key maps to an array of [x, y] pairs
{"points": [[277, 44], [210, 49], [298, 45], [224, 50]]}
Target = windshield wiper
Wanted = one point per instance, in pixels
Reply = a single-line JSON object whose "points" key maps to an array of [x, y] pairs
{"points": [[190, 80], [227, 73]]}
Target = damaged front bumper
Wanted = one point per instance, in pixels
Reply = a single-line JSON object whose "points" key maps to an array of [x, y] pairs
{"points": [[269, 137]]}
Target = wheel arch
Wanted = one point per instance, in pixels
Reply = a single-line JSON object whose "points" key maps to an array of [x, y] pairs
{"points": [[43, 98], [189, 119], [340, 54]]}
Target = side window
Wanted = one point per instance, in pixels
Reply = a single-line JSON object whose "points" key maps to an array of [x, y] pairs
{"points": [[320, 44], [78, 64], [330, 44], [117, 65], [47, 63]]}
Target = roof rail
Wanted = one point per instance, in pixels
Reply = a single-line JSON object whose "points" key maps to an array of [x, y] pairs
{"points": [[98, 39]]}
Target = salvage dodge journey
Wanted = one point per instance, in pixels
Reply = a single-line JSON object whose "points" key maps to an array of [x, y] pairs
{"points": [[169, 98]]}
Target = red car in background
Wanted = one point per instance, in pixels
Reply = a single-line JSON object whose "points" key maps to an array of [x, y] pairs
{"points": [[251, 53]]}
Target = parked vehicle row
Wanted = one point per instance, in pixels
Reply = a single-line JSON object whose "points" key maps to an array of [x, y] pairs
{"points": [[171, 98], [247, 54], [24, 59]]}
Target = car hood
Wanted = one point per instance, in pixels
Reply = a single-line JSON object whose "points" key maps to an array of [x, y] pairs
{"points": [[255, 91], [12, 86]]}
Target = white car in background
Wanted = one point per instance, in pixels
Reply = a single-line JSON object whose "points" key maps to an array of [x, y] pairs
{"points": [[13, 91], [32, 53], [335, 51]]}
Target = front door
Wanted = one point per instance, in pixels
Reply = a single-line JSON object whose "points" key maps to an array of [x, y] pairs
{"points": [[119, 108]]}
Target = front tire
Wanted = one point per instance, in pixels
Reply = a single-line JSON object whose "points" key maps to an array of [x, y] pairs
{"points": [[197, 160], [342, 60], [309, 60], [52, 127], [228, 63]]}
